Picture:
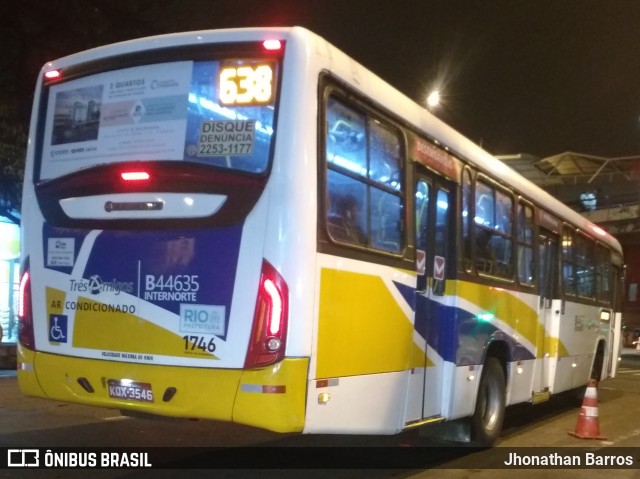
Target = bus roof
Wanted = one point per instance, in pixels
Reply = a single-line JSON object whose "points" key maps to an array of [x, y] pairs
{"points": [[369, 84]]}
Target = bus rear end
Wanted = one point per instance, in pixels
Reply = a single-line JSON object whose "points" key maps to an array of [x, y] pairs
{"points": [[144, 283]]}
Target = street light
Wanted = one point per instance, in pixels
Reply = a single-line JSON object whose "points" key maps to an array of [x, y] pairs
{"points": [[433, 100]]}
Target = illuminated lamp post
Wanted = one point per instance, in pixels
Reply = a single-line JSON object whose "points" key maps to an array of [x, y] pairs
{"points": [[433, 100]]}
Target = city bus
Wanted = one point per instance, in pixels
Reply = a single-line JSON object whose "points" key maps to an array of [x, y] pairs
{"points": [[247, 225]]}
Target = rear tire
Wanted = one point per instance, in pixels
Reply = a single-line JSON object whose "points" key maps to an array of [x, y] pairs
{"points": [[486, 422]]}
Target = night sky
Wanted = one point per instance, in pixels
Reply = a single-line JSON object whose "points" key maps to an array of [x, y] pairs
{"points": [[518, 76]]}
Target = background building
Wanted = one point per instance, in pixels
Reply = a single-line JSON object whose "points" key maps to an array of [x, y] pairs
{"points": [[605, 190]]}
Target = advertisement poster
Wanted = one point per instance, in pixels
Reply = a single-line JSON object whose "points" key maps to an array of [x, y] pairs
{"points": [[125, 115]]}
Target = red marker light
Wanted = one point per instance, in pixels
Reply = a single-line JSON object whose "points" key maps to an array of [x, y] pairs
{"points": [[52, 74], [24, 296], [272, 45], [135, 176]]}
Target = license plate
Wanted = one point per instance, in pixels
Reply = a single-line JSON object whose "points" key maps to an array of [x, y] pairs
{"points": [[130, 390]]}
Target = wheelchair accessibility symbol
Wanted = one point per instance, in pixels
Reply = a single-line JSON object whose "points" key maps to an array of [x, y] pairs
{"points": [[58, 328]]}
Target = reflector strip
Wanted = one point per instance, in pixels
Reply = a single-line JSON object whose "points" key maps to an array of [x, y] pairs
{"points": [[264, 389], [589, 411], [326, 383], [591, 393], [25, 366]]}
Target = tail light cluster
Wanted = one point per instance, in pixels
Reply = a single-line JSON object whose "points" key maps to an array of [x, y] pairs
{"points": [[25, 311], [269, 331]]}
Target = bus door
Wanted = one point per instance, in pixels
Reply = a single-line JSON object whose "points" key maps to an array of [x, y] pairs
{"points": [[434, 244], [548, 308]]}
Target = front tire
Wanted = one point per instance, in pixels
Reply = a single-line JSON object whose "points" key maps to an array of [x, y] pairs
{"points": [[487, 419]]}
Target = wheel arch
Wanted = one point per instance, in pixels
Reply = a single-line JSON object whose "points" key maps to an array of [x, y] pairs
{"points": [[499, 349]]}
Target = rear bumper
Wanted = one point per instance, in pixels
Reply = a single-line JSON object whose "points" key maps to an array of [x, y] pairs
{"points": [[270, 398]]}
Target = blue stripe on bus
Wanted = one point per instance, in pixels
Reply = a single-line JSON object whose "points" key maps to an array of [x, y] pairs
{"points": [[457, 335]]}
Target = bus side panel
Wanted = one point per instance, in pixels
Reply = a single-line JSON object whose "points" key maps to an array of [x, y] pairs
{"points": [[364, 349], [578, 333], [488, 315], [365, 404], [362, 329]]}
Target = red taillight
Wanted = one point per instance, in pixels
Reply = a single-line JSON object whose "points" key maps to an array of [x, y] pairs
{"points": [[25, 312], [52, 75], [272, 44], [135, 175], [269, 331]]}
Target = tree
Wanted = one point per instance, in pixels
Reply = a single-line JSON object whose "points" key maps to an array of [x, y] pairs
{"points": [[13, 141]]}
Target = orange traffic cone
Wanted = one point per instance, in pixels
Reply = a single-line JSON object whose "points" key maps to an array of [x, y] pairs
{"points": [[587, 426]]}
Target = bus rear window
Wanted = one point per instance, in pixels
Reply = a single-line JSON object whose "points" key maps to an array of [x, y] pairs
{"points": [[216, 112]]}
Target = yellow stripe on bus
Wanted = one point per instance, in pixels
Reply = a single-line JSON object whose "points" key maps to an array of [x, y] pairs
{"points": [[112, 331], [362, 329]]}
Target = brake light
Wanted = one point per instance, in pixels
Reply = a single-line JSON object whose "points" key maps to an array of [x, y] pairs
{"points": [[269, 331], [25, 312], [135, 175], [272, 45], [52, 74]]}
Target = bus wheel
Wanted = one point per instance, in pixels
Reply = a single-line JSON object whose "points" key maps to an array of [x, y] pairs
{"points": [[486, 422]]}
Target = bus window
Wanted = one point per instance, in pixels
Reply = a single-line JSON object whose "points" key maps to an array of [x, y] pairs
{"points": [[364, 202], [422, 215], [584, 266], [346, 138], [568, 266], [466, 219], [526, 265], [603, 274], [385, 156], [493, 231], [347, 201], [386, 220], [503, 240], [441, 244]]}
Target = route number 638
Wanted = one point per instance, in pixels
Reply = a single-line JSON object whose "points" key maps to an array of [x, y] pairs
{"points": [[245, 85]]}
